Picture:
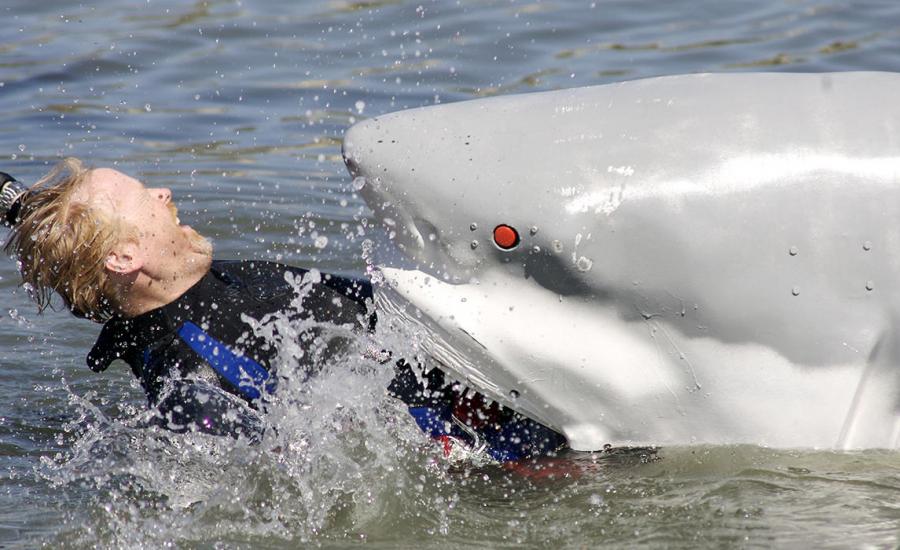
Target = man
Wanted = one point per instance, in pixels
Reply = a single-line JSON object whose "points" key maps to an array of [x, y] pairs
{"points": [[116, 252]]}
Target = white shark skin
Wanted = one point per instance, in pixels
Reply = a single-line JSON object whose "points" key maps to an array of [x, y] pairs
{"points": [[716, 257]]}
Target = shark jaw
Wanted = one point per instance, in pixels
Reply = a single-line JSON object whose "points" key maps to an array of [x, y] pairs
{"points": [[600, 381]]}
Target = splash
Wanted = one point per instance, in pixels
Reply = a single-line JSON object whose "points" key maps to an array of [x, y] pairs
{"points": [[339, 459]]}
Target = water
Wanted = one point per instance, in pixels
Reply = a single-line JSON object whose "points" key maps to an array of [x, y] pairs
{"points": [[239, 107]]}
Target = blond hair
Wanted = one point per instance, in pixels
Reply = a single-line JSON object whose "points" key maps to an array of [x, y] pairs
{"points": [[62, 245]]}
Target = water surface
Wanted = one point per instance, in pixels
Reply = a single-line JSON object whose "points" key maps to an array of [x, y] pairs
{"points": [[239, 107]]}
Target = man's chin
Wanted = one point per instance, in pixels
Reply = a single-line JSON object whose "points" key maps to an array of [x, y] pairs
{"points": [[203, 246], [200, 244]]}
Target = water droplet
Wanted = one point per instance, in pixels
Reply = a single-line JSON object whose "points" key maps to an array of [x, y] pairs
{"points": [[793, 251], [557, 246], [513, 394], [473, 226], [533, 230], [147, 107], [867, 245], [474, 245], [321, 242], [870, 285], [22, 147], [19, 318], [584, 264], [536, 249], [360, 105], [795, 291], [359, 182]]}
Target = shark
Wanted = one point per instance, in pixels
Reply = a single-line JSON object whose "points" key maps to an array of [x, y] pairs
{"points": [[694, 259]]}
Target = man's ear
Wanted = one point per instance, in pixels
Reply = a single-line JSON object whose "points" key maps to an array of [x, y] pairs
{"points": [[124, 258]]}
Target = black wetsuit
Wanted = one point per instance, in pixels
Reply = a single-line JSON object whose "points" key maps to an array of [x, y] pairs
{"points": [[187, 352]]}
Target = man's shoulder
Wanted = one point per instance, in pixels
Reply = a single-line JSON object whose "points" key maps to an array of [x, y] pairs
{"points": [[251, 268], [268, 277], [120, 337], [231, 290], [254, 280]]}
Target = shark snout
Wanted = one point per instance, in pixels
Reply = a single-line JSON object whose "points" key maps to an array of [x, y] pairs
{"points": [[350, 151], [415, 182], [374, 177]]}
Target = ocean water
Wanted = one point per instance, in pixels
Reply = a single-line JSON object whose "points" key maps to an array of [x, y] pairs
{"points": [[239, 107]]}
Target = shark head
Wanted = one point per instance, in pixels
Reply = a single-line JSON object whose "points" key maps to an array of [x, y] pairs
{"points": [[497, 223], [648, 262], [461, 199]]}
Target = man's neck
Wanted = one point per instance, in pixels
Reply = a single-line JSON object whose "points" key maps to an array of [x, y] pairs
{"points": [[152, 291]]}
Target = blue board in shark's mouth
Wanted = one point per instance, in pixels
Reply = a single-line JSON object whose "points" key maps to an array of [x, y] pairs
{"points": [[702, 258]]}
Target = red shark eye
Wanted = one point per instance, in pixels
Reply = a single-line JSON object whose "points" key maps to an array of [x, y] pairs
{"points": [[506, 237]]}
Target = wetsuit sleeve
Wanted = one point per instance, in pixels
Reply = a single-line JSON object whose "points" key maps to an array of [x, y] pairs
{"points": [[168, 358], [192, 405], [430, 389], [185, 393]]}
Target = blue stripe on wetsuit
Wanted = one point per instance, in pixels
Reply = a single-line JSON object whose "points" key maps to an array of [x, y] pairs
{"points": [[242, 372], [434, 422], [516, 438]]}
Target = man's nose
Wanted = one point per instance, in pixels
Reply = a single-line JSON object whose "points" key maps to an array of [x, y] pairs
{"points": [[161, 193]]}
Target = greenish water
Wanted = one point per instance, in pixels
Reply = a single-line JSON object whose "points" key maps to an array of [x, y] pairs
{"points": [[240, 107]]}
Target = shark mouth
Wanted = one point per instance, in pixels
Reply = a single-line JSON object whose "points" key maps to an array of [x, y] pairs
{"points": [[424, 306]]}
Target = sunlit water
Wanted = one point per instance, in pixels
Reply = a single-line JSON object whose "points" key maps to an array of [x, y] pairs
{"points": [[239, 107]]}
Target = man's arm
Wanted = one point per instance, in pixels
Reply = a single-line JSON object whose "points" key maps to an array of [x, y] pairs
{"points": [[193, 405]]}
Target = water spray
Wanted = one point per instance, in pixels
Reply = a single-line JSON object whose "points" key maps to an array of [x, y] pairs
{"points": [[11, 195]]}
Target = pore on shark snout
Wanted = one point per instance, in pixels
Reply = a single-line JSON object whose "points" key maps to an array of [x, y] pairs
{"points": [[697, 259]]}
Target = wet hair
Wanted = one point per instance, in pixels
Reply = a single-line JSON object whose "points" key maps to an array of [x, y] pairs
{"points": [[62, 244]]}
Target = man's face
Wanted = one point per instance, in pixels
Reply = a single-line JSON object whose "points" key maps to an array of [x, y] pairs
{"points": [[150, 211]]}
